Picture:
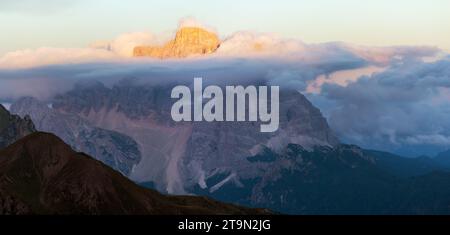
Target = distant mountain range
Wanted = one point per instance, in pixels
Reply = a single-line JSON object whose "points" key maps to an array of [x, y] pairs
{"points": [[341, 180], [117, 150], [300, 169], [40, 174], [174, 156]]}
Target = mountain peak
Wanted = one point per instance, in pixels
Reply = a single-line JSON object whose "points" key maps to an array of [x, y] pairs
{"points": [[188, 41], [42, 175]]}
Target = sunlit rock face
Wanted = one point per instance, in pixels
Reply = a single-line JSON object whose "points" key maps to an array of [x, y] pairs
{"points": [[189, 41]]}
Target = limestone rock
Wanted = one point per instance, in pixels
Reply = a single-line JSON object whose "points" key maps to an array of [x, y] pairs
{"points": [[188, 41], [177, 156]]}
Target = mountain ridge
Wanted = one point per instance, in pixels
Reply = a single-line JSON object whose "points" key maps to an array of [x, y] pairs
{"points": [[182, 154], [115, 149], [344, 180], [40, 174]]}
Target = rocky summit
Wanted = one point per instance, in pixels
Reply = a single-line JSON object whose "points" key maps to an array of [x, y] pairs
{"points": [[189, 41]]}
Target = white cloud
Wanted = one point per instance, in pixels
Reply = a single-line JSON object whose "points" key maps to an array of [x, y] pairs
{"points": [[47, 56], [124, 44], [433, 139], [342, 77], [407, 104], [248, 43], [373, 96], [239, 45]]}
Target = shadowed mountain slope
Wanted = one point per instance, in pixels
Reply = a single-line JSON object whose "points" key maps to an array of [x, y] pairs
{"points": [[40, 174]]}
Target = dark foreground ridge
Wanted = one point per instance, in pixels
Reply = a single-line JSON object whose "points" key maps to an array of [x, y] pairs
{"points": [[40, 174]]}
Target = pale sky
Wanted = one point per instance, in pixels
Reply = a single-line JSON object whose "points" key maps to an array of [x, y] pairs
{"points": [[77, 23]]}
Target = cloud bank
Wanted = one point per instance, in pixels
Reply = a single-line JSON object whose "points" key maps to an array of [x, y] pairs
{"points": [[406, 105], [390, 98]]}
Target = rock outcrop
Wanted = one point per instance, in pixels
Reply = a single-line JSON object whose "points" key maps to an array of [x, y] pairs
{"points": [[176, 156], [344, 180], [12, 127], [188, 41]]}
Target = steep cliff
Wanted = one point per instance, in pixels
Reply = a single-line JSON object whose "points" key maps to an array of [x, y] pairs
{"points": [[12, 127], [188, 41], [177, 156]]}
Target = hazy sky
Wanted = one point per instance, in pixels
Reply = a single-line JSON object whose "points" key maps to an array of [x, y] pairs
{"points": [[77, 23]]}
